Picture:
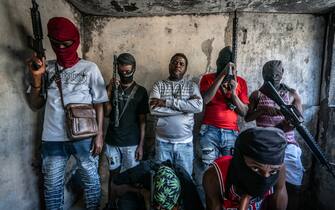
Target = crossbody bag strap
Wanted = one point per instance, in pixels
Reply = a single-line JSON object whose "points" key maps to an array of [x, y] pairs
{"points": [[58, 80], [132, 93]]}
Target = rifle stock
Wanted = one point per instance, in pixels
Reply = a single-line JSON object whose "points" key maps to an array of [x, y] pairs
{"points": [[293, 116]]}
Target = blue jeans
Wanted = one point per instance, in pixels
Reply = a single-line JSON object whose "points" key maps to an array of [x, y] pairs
{"points": [[179, 153], [214, 142], [55, 156]]}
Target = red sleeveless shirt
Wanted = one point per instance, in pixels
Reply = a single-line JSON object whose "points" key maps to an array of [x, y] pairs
{"points": [[231, 200]]}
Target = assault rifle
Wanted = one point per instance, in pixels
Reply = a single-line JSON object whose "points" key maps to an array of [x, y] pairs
{"points": [[115, 101], [35, 42], [232, 64], [230, 75], [293, 116]]}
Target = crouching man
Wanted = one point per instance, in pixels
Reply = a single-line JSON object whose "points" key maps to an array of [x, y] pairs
{"points": [[253, 178], [171, 186]]}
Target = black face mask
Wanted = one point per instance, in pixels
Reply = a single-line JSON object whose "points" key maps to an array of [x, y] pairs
{"points": [[128, 78], [249, 181]]}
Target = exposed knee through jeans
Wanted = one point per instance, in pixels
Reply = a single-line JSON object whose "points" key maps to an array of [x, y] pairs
{"points": [[215, 142]]}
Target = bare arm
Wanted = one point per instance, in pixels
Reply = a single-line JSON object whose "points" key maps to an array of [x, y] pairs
{"points": [[139, 149], [119, 190], [253, 113], [278, 201], [211, 185], [35, 100], [210, 93], [241, 108], [98, 140], [297, 101], [108, 105]]}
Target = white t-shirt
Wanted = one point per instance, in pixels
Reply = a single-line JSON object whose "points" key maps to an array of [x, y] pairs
{"points": [[82, 83]]}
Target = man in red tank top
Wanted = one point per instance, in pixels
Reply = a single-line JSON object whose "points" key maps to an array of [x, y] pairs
{"points": [[254, 178]]}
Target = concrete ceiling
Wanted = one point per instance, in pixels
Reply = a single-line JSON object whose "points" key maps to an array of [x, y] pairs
{"points": [[126, 8]]}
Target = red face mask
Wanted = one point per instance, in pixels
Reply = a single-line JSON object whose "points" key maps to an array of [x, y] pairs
{"points": [[62, 29]]}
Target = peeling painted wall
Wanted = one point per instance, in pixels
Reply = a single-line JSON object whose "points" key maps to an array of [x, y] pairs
{"points": [[295, 39], [324, 183], [126, 8], [154, 40], [20, 127]]}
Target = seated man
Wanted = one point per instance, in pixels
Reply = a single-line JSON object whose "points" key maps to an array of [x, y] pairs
{"points": [[173, 187], [254, 178]]}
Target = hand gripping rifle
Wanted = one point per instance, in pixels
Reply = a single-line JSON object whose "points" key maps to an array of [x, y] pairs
{"points": [[35, 42], [230, 76], [293, 116], [115, 101]]}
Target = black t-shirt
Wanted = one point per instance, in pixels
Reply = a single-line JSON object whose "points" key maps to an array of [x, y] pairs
{"points": [[128, 132], [140, 175]]}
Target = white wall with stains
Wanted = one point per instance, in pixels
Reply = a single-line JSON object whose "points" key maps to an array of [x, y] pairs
{"points": [[20, 127], [295, 39]]}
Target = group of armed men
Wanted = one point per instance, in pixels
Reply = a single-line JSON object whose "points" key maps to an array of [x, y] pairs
{"points": [[259, 168]]}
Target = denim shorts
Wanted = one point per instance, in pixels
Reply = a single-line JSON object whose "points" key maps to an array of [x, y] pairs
{"points": [[123, 157], [294, 167]]}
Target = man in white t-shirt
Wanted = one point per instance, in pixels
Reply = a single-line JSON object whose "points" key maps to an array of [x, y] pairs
{"points": [[81, 83]]}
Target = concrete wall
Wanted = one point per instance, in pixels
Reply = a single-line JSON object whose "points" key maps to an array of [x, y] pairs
{"points": [[20, 127], [296, 39], [324, 183]]}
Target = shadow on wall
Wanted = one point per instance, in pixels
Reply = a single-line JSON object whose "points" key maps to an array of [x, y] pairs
{"points": [[16, 71]]}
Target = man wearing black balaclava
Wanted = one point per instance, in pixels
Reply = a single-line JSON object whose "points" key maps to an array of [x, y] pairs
{"points": [[254, 178], [225, 96], [125, 134], [267, 114]]}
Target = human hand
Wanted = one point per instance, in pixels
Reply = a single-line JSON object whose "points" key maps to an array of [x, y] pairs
{"points": [[244, 203], [97, 145], [139, 152], [194, 97], [156, 102], [112, 82], [36, 73], [233, 85], [285, 126]]}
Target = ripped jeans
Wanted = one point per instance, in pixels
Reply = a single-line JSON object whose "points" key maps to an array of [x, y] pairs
{"points": [[55, 156], [214, 142]]}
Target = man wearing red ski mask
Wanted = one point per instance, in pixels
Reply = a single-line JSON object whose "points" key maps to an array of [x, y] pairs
{"points": [[81, 82]]}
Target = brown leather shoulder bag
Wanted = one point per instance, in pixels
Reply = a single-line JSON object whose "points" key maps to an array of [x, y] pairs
{"points": [[81, 121]]}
